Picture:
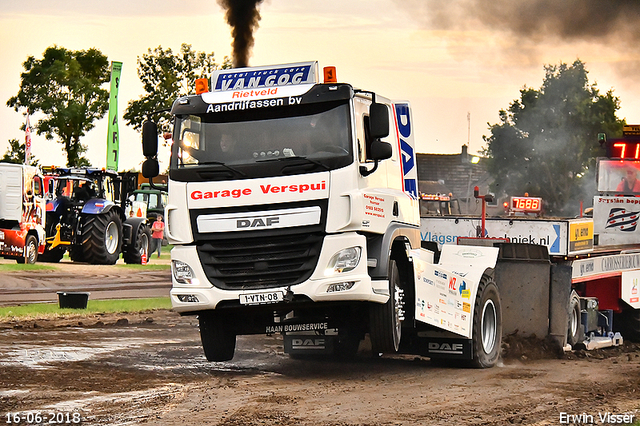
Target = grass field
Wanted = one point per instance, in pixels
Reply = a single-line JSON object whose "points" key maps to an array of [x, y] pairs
{"points": [[11, 266], [51, 310]]}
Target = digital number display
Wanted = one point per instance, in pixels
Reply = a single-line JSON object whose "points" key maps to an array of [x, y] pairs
{"points": [[623, 149], [526, 204]]}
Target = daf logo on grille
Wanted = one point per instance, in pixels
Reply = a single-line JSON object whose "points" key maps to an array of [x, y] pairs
{"points": [[258, 222]]}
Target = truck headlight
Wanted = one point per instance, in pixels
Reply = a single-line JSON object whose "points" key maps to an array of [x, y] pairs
{"points": [[344, 261], [183, 273]]}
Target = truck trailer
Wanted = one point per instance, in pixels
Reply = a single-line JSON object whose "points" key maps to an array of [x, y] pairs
{"points": [[600, 253]]}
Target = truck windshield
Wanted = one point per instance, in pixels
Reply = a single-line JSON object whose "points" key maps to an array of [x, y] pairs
{"points": [[254, 142]]}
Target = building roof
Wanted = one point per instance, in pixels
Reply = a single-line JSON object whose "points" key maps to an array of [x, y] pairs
{"points": [[456, 172]]}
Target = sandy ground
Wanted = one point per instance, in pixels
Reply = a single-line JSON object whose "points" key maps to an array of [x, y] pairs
{"points": [[149, 369]]}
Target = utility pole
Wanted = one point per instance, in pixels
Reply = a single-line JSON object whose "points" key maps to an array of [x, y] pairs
{"points": [[468, 128]]}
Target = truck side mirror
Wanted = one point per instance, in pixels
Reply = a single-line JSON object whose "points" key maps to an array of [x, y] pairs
{"points": [[380, 150], [149, 139], [378, 121], [150, 168]]}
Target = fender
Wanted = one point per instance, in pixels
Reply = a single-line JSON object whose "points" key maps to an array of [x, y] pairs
{"points": [[380, 248], [446, 292], [130, 229], [97, 206], [470, 262]]}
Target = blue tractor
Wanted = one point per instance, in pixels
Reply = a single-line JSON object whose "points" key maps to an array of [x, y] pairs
{"points": [[85, 215]]}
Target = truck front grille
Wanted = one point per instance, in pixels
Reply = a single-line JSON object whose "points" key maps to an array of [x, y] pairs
{"points": [[260, 261]]}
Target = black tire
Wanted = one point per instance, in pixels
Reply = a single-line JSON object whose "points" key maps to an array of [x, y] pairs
{"points": [[487, 325], [76, 254], [574, 328], [102, 238], [218, 340], [347, 344], [30, 254], [53, 255], [628, 323], [385, 323], [142, 245]]}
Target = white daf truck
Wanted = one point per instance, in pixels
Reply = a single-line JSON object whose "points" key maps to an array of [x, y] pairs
{"points": [[293, 208]]}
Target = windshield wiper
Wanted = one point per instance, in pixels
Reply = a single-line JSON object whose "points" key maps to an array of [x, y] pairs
{"points": [[223, 164], [296, 157]]}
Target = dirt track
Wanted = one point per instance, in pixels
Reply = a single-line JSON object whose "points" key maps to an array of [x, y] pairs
{"points": [[102, 281], [149, 369]]}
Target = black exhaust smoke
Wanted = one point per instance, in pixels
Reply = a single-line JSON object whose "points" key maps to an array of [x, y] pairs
{"points": [[243, 17], [527, 26], [590, 20]]}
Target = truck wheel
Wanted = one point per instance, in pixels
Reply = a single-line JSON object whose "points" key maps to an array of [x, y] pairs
{"points": [[102, 238], [347, 344], [628, 323], [633, 324], [140, 247], [218, 341], [30, 251], [385, 321], [53, 255], [574, 331], [487, 325]]}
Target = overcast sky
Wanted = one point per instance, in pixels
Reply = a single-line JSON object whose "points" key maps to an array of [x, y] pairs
{"points": [[450, 58]]}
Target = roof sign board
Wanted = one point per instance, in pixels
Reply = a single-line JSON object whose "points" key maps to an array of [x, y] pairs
{"points": [[631, 130], [265, 77]]}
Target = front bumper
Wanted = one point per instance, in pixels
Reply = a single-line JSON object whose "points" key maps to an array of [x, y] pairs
{"points": [[203, 295]]}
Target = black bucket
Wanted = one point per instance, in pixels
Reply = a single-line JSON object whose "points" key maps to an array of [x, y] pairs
{"points": [[73, 300]]}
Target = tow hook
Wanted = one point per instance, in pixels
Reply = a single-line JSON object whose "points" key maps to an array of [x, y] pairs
{"points": [[288, 295]]}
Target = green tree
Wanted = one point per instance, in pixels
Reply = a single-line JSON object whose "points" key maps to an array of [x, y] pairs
{"points": [[165, 77], [15, 154], [546, 142], [65, 86]]}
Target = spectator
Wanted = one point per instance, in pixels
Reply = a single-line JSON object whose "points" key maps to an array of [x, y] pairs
{"points": [[629, 182], [157, 235]]}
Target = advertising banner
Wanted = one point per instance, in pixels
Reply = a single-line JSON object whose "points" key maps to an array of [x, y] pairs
{"points": [[616, 219], [113, 134]]}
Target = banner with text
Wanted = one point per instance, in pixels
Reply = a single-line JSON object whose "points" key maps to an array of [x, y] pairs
{"points": [[113, 134]]}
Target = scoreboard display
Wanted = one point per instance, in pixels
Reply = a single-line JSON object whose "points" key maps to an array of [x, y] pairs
{"points": [[626, 148], [526, 204]]}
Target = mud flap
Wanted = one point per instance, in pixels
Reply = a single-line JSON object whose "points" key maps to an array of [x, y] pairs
{"points": [[306, 344], [447, 348]]}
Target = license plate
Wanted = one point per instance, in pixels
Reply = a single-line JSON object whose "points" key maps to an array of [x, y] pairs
{"points": [[260, 298]]}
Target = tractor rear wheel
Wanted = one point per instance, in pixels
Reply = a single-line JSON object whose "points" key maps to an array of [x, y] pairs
{"points": [[102, 238]]}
